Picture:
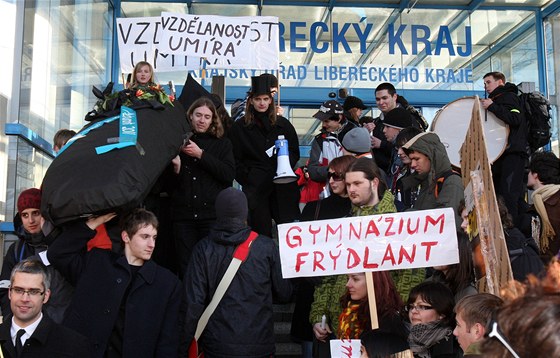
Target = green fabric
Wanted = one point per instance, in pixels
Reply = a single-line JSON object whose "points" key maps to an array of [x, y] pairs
{"points": [[326, 299], [473, 349]]}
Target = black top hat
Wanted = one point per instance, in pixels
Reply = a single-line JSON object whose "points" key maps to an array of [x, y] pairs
{"points": [[260, 85]]}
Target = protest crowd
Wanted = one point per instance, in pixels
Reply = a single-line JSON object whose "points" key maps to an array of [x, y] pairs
{"points": [[195, 265]]}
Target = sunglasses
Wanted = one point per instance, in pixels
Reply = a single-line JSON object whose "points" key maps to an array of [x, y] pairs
{"points": [[335, 176]]}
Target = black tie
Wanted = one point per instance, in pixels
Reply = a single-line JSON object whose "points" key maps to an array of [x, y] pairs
{"points": [[19, 334]]}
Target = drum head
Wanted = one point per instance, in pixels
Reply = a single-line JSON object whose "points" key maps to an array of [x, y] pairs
{"points": [[452, 123]]}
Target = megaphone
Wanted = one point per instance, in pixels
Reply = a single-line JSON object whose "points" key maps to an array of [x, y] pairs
{"points": [[284, 172]]}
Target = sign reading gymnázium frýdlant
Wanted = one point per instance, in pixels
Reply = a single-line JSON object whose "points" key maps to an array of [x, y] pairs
{"points": [[368, 243]]}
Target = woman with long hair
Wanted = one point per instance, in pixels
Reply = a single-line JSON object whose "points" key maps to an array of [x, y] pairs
{"points": [[253, 138], [205, 167], [355, 316], [336, 205]]}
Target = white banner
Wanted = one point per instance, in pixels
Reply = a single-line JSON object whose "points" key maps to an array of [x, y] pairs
{"points": [[225, 42], [138, 38], [368, 243], [345, 348]]}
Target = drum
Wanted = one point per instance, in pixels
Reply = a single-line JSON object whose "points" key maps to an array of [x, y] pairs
{"points": [[452, 122]]}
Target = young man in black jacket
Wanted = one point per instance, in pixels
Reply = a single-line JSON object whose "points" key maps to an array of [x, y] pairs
{"points": [[126, 304], [508, 171], [242, 324]]}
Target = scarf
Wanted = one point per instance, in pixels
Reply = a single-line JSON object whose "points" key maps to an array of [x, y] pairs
{"points": [[349, 326], [539, 196], [423, 336]]}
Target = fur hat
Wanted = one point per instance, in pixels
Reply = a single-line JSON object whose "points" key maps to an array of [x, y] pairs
{"points": [[329, 109], [29, 199], [357, 141], [353, 102], [232, 203], [398, 118]]}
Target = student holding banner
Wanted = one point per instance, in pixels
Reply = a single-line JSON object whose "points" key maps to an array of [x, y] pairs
{"points": [[253, 141]]}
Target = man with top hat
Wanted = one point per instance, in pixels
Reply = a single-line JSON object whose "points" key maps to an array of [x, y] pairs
{"points": [[32, 243], [327, 145], [253, 138]]}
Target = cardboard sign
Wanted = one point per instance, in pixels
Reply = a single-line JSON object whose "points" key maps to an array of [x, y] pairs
{"points": [[246, 42], [477, 176], [368, 243], [138, 38], [345, 348]]}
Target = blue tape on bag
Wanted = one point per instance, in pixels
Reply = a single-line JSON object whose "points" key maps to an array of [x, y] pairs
{"points": [[128, 131], [83, 132]]}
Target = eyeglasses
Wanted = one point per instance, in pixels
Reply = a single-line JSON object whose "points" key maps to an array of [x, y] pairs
{"points": [[335, 176], [33, 292], [497, 333], [409, 308]]}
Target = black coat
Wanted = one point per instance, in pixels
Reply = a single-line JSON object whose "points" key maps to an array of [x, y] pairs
{"points": [[50, 340], [254, 168], [200, 180], [507, 107], [242, 325], [151, 327]]}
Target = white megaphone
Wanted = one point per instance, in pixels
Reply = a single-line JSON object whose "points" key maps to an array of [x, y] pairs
{"points": [[284, 172]]}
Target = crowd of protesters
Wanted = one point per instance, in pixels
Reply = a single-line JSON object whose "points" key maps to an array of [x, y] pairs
{"points": [[76, 293]]}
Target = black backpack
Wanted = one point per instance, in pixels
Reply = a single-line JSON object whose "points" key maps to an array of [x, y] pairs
{"points": [[536, 109], [418, 119]]}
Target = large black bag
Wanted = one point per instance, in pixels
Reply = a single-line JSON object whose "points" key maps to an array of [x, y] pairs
{"points": [[80, 182]]}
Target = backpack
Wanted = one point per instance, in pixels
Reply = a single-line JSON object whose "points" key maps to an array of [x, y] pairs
{"points": [[536, 109], [441, 179], [418, 119]]}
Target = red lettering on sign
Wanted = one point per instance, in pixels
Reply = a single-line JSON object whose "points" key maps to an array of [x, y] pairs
{"points": [[333, 230], [318, 256], [428, 245], [335, 258], [299, 260], [367, 264], [403, 254], [388, 255], [314, 233], [296, 238], [352, 254], [372, 229], [388, 231], [356, 233], [415, 230], [431, 221]]}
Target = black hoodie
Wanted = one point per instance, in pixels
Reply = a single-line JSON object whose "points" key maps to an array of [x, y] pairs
{"points": [[507, 107]]}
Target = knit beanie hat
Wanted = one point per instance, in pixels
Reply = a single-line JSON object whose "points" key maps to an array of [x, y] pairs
{"points": [[29, 199], [357, 141], [398, 118], [231, 203]]}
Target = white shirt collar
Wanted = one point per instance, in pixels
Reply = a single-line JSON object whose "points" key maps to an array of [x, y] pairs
{"points": [[29, 330]]}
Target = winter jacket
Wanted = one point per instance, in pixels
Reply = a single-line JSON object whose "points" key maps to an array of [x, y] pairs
{"points": [[254, 168], [29, 246], [449, 194], [102, 278], [200, 180], [507, 107], [242, 325], [324, 148]]}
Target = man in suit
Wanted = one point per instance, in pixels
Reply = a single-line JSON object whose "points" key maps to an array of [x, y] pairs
{"points": [[29, 332]]}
